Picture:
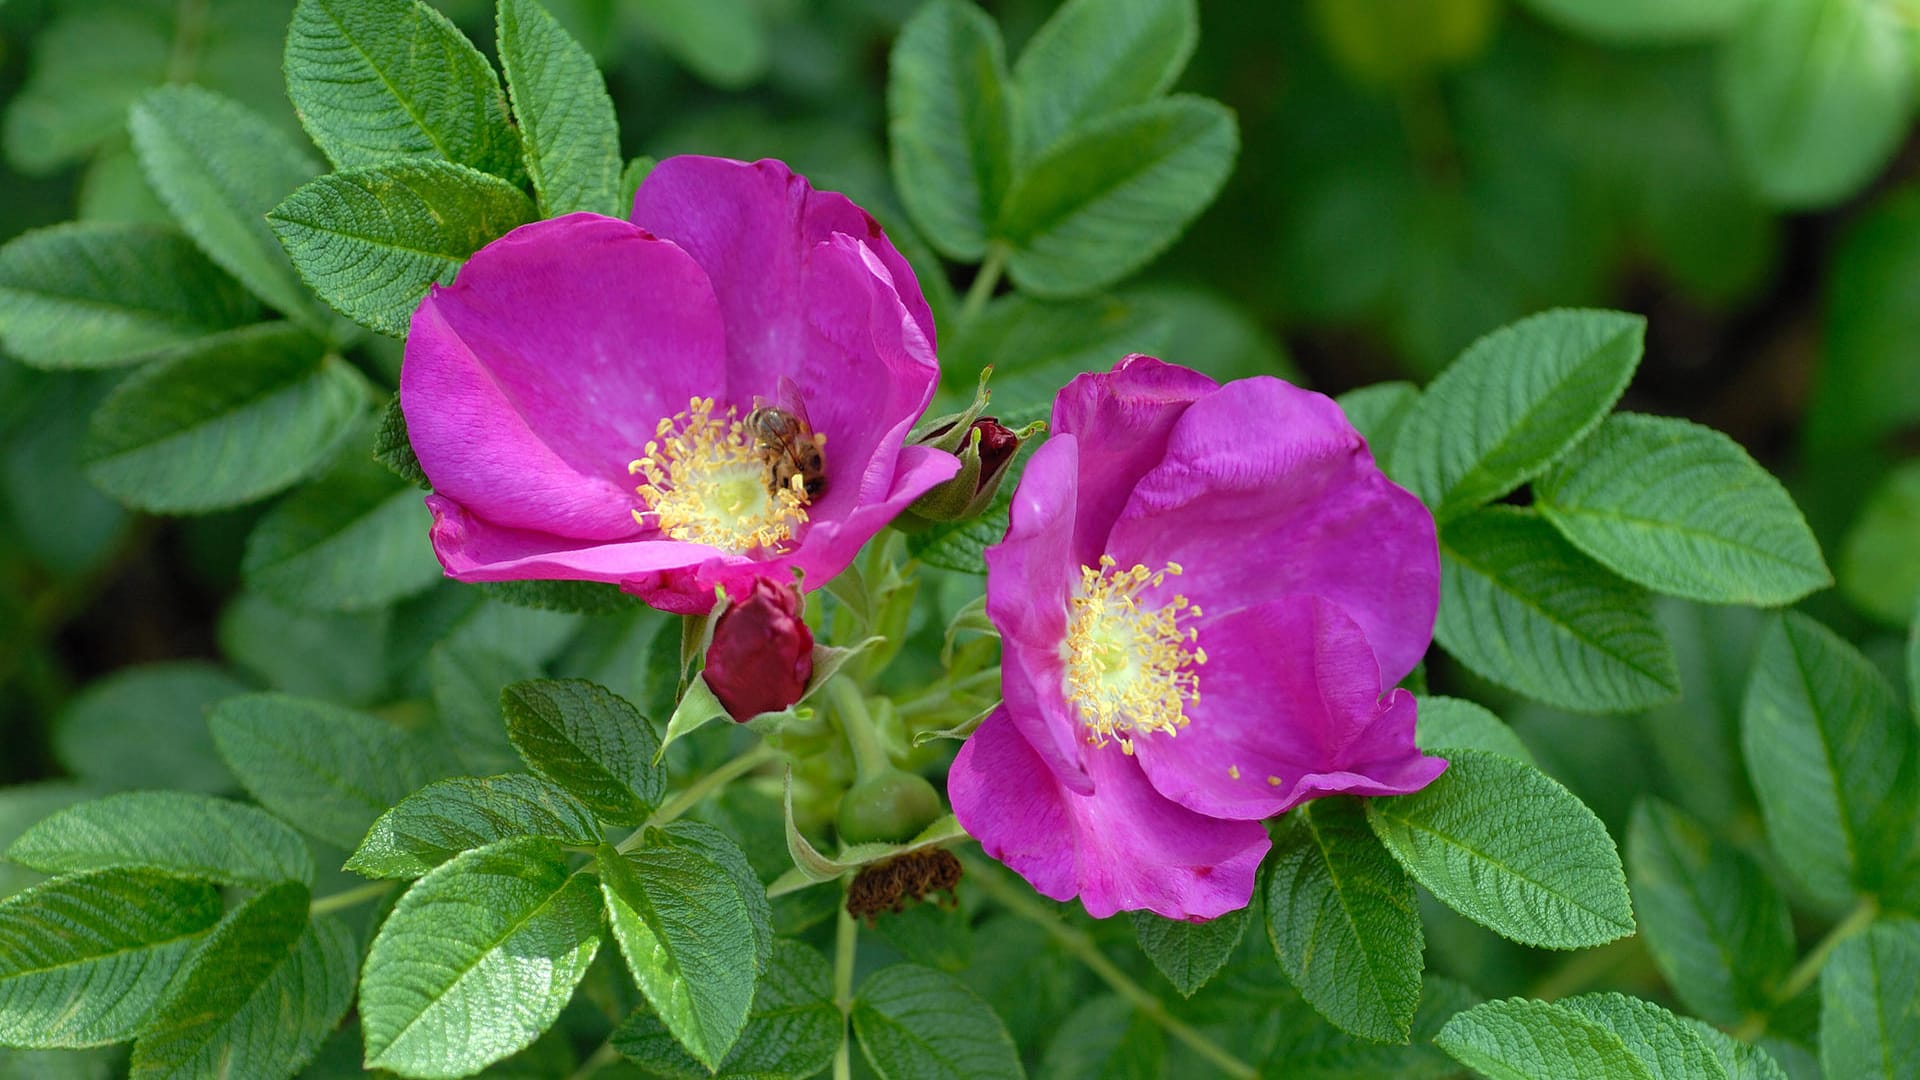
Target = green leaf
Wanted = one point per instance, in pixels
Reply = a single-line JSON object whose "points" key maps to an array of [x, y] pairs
{"points": [[1879, 562], [1095, 57], [915, 1023], [334, 656], [724, 42], [1832, 757], [574, 597], [1455, 724], [259, 998], [1646, 22], [240, 418], [571, 139], [220, 168], [631, 177], [354, 539], [1505, 845], [466, 681], [392, 448], [88, 294], [88, 66], [1189, 953], [459, 814], [1718, 929], [793, 1027], [1313, 1050], [477, 959], [1671, 1048], [173, 832], [1869, 1001], [370, 241], [685, 923], [1517, 1039], [146, 727], [1741, 1060], [1344, 922], [328, 771], [1377, 413], [381, 81], [1522, 607], [1035, 347], [1106, 1039], [1513, 403], [1682, 509], [589, 741], [949, 124], [719, 849], [1102, 203], [83, 959], [1816, 95]]}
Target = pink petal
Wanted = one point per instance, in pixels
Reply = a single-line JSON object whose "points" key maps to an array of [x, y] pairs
{"points": [[1121, 848], [1267, 491], [1289, 709], [532, 380]]}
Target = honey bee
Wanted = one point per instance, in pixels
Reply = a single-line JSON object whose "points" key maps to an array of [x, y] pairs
{"points": [[788, 444]]}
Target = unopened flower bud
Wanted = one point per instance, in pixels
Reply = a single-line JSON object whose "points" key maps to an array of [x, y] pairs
{"points": [[761, 655], [985, 455]]}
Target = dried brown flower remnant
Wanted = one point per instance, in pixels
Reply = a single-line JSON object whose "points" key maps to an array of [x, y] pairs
{"points": [[887, 886]]}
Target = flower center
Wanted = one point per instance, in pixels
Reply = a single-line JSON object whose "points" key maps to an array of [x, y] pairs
{"points": [[709, 481], [1130, 665]]}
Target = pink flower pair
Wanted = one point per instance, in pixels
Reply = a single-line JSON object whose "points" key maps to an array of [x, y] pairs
{"points": [[1202, 593]]}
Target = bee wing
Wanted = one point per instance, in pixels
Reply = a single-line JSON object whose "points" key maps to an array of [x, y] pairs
{"points": [[789, 400]]}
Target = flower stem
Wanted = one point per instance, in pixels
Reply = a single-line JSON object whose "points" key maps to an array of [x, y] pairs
{"points": [[845, 936], [984, 282], [696, 793], [326, 905], [869, 757], [1808, 969], [1082, 947], [601, 1058]]}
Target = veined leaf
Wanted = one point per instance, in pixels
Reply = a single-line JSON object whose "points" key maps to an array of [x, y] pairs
{"points": [[566, 119], [723, 42], [354, 539], [589, 741], [459, 814], [1869, 998], [380, 81], [172, 832], [1377, 412], [146, 727], [793, 1027], [1107, 1038], [1646, 22], [1521, 606], [328, 771], [240, 417], [1189, 953], [1456, 724], [220, 168], [1670, 1047], [83, 959], [1102, 203], [1517, 1039], [1832, 757], [1344, 922], [1718, 929], [88, 66], [94, 294], [370, 241], [1682, 509], [392, 448], [915, 1023], [1505, 845], [1514, 402], [1879, 562], [466, 681], [949, 124], [259, 998], [477, 959], [1094, 57]]}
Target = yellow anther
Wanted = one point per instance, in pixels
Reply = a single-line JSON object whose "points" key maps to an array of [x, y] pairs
{"points": [[1274, 781], [1130, 661], [707, 482], [1233, 771]]}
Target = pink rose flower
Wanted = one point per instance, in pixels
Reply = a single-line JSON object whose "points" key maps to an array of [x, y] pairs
{"points": [[1202, 592], [580, 396]]}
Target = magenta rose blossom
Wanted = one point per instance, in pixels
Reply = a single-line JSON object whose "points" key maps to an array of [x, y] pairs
{"points": [[583, 396], [1201, 595]]}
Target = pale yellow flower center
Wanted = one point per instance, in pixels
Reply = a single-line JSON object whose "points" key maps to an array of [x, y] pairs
{"points": [[1130, 664], [707, 482]]}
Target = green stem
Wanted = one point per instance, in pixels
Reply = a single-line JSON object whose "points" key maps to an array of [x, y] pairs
{"points": [[325, 905], [984, 282], [696, 793], [1808, 969], [846, 935], [693, 634], [1082, 947], [869, 757], [601, 1058], [190, 28]]}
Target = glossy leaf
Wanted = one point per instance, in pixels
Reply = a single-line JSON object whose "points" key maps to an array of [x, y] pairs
{"points": [[793, 1027], [461, 813], [915, 1023], [567, 126], [949, 124], [589, 741], [1094, 57], [1455, 723], [1189, 953], [146, 727], [172, 832], [1517, 1039], [1869, 999], [352, 540], [466, 683], [1879, 561]]}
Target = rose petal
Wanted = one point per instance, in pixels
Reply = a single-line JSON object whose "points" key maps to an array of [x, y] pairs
{"points": [[1122, 848], [1265, 491], [1289, 709], [532, 380]]}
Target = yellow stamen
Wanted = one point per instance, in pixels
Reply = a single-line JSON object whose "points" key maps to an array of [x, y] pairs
{"points": [[1130, 665], [707, 482]]}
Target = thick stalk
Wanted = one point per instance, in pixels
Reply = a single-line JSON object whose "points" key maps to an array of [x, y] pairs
{"points": [[869, 756], [984, 283], [1808, 969], [845, 937], [332, 902], [698, 791]]}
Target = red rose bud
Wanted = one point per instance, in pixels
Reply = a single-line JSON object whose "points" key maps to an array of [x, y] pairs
{"points": [[998, 444], [761, 655], [988, 449]]}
